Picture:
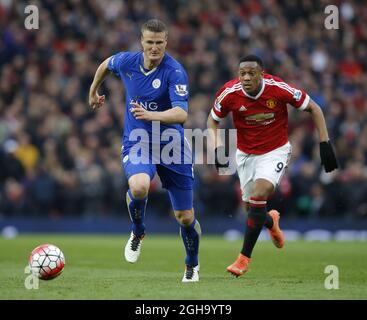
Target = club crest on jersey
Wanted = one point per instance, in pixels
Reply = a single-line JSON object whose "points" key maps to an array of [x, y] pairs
{"points": [[156, 83], [181, 90], [271, 103]]}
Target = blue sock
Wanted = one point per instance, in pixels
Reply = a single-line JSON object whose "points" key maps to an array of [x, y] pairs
{"points": [[191, 237], [136, 208]]}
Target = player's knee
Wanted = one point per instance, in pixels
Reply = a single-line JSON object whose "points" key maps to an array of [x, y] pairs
{"points": [[184, 217], [261, 194], [139, 185], [139, 190], [262, 189]]}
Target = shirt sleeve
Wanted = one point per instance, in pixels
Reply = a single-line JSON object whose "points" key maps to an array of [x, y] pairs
{"points": [[220, 108], [295, 97], [115, 64], [178, 88]]}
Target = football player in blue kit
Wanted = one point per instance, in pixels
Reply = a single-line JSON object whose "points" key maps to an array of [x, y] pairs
{"points": [[156, 108]]}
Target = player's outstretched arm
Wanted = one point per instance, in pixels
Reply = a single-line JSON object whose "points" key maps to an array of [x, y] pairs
{"points": [[170, 116], [214, 139], [328, 159], [216, 142], [95, 100]]}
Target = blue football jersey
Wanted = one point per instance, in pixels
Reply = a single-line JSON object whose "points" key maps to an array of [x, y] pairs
{"points": [[159, 89]]}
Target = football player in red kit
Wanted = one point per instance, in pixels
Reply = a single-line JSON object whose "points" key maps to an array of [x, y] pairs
{"points": [[258, 102]]}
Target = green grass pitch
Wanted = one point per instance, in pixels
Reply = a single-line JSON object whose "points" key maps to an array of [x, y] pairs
{"points": [[95, 269]]}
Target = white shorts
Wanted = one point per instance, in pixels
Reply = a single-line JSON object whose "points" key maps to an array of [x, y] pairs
{"points": [[269, 166]]}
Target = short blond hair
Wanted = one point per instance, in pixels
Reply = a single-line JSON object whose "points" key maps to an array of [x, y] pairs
{"points": [[154, 25]]}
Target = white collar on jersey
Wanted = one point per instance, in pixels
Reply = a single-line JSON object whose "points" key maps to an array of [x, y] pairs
{"points": [[259, 94], [146, 73]]}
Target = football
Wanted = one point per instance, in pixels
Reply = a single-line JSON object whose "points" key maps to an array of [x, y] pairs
{"points": [[46, 261]]}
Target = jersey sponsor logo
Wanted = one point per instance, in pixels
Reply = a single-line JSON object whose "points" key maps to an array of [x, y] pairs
{"points": [[297, 95], [265, 118], [242, 108], [156, 83], [271, 103], [265, 123], [181, 90], [148, 105]]}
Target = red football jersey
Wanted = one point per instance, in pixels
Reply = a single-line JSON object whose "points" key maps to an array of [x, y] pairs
{"points": [[261, 121]]}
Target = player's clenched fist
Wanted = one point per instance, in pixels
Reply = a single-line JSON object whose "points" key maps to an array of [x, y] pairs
{"points": [[328, 159], [221, 158], [96, 101]]}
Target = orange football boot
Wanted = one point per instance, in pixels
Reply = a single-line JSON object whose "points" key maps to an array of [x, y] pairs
{"points": [[275, 233], [240, 266]]}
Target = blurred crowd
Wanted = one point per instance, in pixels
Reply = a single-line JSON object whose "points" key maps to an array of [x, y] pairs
{"points": [[59, 158]]}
